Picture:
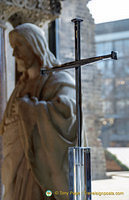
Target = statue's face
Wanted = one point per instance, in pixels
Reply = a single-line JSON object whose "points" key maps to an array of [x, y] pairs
{"points": [[22, 51]]}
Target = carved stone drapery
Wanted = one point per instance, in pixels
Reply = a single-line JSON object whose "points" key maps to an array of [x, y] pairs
{"points": [[33, 11]]}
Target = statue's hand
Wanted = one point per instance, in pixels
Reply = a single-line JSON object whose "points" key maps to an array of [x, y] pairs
{"points": [[31, 100], [25, 99]]}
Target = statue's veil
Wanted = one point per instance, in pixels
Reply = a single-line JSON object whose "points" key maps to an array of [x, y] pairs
{"points": [[36, 38]]}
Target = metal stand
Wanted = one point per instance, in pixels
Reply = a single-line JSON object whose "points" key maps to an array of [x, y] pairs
{"points": [[79, 173], [79, 157]]}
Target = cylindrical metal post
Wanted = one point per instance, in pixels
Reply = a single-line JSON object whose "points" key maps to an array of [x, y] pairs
{"points": [[78, 79]]}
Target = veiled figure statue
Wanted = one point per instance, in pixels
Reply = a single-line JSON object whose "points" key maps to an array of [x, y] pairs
{"points": [[39, 122]]}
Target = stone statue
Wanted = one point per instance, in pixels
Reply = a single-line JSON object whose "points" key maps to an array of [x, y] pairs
{"points": [[39, 122]]}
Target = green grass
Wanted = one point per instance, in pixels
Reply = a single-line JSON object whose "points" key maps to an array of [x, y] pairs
{"points": [[110, 156]]}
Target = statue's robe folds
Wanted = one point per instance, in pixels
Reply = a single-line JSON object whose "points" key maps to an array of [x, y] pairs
{"points": [[36, 140]]}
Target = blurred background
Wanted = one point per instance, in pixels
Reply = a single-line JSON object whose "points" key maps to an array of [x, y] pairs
{"points": [[111, 32]]}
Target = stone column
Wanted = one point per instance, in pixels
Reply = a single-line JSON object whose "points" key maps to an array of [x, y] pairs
{"points": [[2, 90]]}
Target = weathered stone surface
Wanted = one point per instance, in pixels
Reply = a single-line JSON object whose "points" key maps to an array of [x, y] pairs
{"points": [[22, 11]]}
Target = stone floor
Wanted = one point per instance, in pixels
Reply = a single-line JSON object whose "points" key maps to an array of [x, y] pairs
{"points": [[119, 182]]}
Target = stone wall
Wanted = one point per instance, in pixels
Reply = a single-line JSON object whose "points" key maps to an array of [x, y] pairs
{"points": [[10, 63], [91, 79]]}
